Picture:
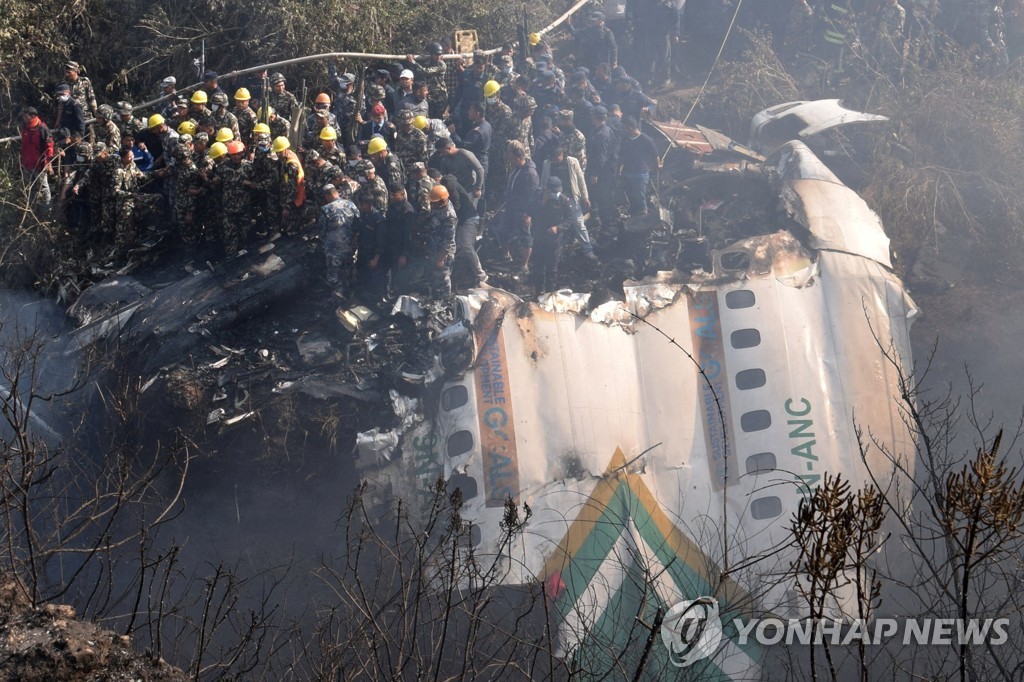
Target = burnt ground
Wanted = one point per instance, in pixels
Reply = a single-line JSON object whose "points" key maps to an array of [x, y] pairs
{"points": [[49, 644]]}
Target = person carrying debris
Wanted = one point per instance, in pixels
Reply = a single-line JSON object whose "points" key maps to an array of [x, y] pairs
{"points": [[334, 223]]}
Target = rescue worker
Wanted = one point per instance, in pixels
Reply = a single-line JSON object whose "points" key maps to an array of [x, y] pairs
{"points": [[638, 159], [236, 183], [596, 43], [279, 99], [319, 119], [547, 219], [36, 155], [574, 187], [69, 112], [514, 229], [292, 187], [329, 148], [130, 202], [75, 194], [200, 114], [334, 224], [410, 142], [187, 191], [463, 164], [81, 88], [223, 118], [388, 165], [440, 251], [369, 231], [432, 72], [244, 115]]}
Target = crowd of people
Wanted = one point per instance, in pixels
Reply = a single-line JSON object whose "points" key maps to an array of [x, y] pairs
{"points": [[397, 181], [396, 167]]}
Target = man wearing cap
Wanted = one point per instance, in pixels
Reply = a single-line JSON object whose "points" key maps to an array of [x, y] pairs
{"points": [[319, 119], [432, 71], [188, 188], [523, 183], [378, 125], [319, 173], [209, 85], [574, 186], [369, 231], [69, 112], [631, 100], [334, 223], [166, 87], [418, 187], [571, 139], [404, 89], [81, 88], [601, 164], [410, 142], [596, 43], [282, 101], [548, 218], [74, 198], [129, 201], [36, 156], [126, 122], [522, 114], [222, 118], [105, 130], [344, 106]]}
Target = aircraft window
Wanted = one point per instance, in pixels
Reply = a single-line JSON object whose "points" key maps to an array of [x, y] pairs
{"points": [[766, 507], [465, 483], [745, 338], [741, 298], [454, 397], [761, 462], [459, 443], [750, 378], [734, 261], [758, 420]]}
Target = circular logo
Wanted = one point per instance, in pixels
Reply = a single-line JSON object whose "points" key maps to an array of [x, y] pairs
{"points": [[691, 631]]}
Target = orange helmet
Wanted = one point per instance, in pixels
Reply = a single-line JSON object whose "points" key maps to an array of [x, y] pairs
{"points": [[235, 147], [323, 98], [438, 193]]}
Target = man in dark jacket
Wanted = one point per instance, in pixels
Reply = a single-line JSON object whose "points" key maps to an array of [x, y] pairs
{"points": [[523, 183], [369, 231], [463, 164], [69, 112], [638, 159], [549, 216]]}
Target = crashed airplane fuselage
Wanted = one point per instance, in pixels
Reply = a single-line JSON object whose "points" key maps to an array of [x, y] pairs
{"points": [[664, 442]]}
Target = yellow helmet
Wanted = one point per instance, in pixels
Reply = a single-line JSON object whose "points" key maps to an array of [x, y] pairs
{"points": [[217, 150], [199, 97], [187, 127], [420, 122], [270, 112], [533, 38], [242, 94], [155, 120], [328, 133], [490, 88], [376, 145], [261, 128], [280, 144], [225, 135]]}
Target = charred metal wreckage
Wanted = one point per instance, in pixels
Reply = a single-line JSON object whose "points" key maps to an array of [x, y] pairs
{"points": [[673, 428]]}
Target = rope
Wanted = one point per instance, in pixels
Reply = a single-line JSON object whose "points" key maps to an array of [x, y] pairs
{"points": [[330, 55], [721, 48]]}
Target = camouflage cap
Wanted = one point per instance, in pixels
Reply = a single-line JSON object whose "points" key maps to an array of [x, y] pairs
{"points": [[276, 77], [184, 140], [124, 107], [526, 103], [329, 187], [565, 115], [98, 148], [105, 110], [220, 98], [405, 116], [84, 150], [374, 91], [418, 166], [312, 155], [202, 137]]}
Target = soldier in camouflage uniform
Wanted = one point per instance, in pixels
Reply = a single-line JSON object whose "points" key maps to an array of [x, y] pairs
{"points": [[99, 181], [222, 118], [410, 143], [105, 130], [201, 114], [389, 167], [244, 115], [279, 125], [292, 185], [126, 122], [573, 141], [329, 148], [279, 99], [267, 202], [440, 251], [502, 125], [334, 223], [81, 88], [236, 182], [129, 201], [375, 189], [187, 191], [320, 173], [433, 72], [522, 116], [418, 187], [318, 119]]}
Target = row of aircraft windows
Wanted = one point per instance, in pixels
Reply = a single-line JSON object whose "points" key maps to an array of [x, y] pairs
{"points": [[768, 507]]}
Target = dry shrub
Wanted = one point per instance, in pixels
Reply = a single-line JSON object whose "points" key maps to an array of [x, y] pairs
{"points": [[952, 161]]}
